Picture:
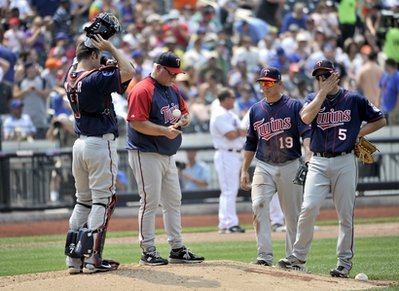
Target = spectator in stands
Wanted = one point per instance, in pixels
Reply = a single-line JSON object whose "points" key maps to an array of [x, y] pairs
{"points": [[280, 61], [205, 17], [14, 37], [211, 67], [126, 10], [347, 18], [352, 60], [5, 94], [44, 7], [98, 6], [8, 55], [391, 43], [389, 85], [325, 18], [36, 39], [195, 174], [176, 25], [18, 126], [245, 51], [23, 7], [372, 23], [197, 55], [297, 16], [32, 90], [270, 11], [368, 78], [245, 98], [62, 19]]}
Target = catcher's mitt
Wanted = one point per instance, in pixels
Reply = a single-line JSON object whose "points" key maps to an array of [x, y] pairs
{"points": [[364, 151], [300, 175]]}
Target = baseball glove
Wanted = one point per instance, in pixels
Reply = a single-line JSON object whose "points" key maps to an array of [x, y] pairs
{"points": [[300, 175], [364, 151]]}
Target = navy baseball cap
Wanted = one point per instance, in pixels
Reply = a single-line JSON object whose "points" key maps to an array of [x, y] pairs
{"points": [[269, 74], [169, 60], [16, 103], [324, 65]]}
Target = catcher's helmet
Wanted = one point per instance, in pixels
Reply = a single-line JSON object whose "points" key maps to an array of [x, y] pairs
{"points": [[105, 24]]}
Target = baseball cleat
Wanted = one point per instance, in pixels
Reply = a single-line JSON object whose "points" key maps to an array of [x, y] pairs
{"points": [[105, 266], [264, 263], [340, 271], [235, 229], [74, 265], [184, 255], [292, 263], [152, 258]]}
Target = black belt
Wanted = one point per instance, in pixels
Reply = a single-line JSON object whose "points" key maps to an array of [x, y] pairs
{"points": [[331, 155], [234, 150], [230, 150], [98, 135]]}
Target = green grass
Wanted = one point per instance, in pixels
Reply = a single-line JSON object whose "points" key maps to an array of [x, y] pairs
{"points": [[376, 256]]}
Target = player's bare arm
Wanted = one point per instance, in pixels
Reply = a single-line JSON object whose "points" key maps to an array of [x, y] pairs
{"points": [[372, 126], [326, 87], [149, 128], [245, 181], [125, 67], [236, 133], [306, 146]]}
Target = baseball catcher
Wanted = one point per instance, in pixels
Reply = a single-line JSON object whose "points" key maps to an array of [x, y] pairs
{"points": [[364, 150], [300, 175]]}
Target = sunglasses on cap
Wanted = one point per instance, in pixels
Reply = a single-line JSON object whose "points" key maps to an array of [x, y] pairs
{"points": [[169, 72], [267, 83], [325, 76]]}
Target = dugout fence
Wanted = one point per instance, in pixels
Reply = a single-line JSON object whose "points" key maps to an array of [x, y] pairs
{"points": [[27, 178]]}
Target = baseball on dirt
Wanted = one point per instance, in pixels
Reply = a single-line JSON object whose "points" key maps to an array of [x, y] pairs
{"points": [[362, 277], [176, 113]]}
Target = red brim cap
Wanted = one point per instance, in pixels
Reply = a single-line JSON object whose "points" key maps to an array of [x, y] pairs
{"points": [[266, 79], [175, 70], [323, 69]]}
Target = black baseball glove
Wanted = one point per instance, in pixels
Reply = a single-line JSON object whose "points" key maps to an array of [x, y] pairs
{"points": [[300, 175]]}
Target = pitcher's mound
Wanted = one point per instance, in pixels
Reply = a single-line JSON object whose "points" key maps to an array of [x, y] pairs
{"points": [[209, 275]]}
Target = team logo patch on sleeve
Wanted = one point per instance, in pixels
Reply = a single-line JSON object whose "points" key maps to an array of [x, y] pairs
{"points": [[107, 73]]}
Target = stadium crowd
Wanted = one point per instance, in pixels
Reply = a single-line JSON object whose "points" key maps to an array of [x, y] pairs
{"points": [[220, 43]]}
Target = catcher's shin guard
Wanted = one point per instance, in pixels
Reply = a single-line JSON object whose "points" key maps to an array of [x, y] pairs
{"points": [[95, 263], [79, 243]]}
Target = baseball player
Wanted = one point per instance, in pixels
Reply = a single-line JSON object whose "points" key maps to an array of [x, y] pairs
{"points": [[154, 136], [227, 136], [336, 116], [274, 138], [95, 162]]}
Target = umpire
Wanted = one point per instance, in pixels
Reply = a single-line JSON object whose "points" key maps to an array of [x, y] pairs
{"points": [[95, 162]]}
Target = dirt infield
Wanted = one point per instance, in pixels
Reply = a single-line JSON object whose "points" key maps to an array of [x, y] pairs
{"points": [[210, 275], [60, 226]]}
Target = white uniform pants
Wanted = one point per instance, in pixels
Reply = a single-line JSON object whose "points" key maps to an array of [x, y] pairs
{"points": [[227, 165]]}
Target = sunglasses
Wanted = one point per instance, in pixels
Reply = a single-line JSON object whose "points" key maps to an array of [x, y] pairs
{"points": [[169, 72], [325, 76], [267, 83]]}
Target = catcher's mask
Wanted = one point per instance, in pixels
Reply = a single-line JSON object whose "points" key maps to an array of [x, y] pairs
{"points": [[105, 24]]}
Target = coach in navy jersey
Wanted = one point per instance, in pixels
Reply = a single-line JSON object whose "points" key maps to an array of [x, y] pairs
{"points": [[338, 117], [156, 113], [274, 138], [95, 162]]}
